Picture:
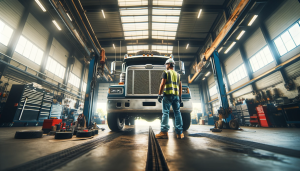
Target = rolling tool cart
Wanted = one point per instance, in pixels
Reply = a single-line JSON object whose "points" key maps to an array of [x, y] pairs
{"points": [[26, 106]]}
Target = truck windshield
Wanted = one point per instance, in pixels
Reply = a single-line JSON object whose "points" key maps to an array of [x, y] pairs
{"points": [[145, 60]]}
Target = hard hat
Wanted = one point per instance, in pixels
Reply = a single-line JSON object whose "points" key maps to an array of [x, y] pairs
{"points": [[170, 61]]}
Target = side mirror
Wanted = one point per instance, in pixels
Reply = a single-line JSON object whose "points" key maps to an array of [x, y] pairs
{"points": [[113, 68], [123, 67], [181, 68], [116, 67]]}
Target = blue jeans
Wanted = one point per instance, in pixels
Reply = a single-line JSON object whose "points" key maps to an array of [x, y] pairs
{"points": [[167, 102]]}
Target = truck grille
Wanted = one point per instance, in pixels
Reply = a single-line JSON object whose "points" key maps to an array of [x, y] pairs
{"points": [[143, 82]]}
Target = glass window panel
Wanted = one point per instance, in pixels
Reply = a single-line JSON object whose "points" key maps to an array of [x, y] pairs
{"points": [[5, 33], [53, 66], [241, 72], [164, 33], [48, 63], [136, 33], [164, 26], [263, 58], [33, 53], [27, 49], [167, 19], [295, 33], [268, 54], [21, 45], [132, 19], [288, 41], [163, 37], [136, 37], [166, 11], [280, 46], [39, 56], [135, 26], [133, 11], [132, 2], [168, 2]]}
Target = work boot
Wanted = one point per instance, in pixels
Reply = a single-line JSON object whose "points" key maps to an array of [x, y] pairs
{"points": [[180, 136], [162, 135]]}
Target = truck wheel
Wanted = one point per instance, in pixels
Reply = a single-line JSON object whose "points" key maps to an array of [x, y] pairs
{"points": [[114, 122], [186, 120]]}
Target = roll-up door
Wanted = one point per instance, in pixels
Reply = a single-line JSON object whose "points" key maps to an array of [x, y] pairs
{"points": [[59, 53], [284, 17], [254, 43], [270, 80], [77, 68], [194, 89], [293, 71], [11, 12], [210, 79], [103, 90], [233, 61], [35, 32]]}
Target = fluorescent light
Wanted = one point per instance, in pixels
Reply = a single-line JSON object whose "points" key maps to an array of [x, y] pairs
{"points": [[207, 74], [55, 23], [199, 13], [41, 6], [69, 16], [103, 13], [228, 49], [203, 78], [187, 46], [240, 35], [114, 46], [252, 20], [220, 49], [78, 37]]}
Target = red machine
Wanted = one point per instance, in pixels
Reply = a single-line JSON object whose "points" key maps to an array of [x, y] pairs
{"points": [[48, 123], [262, 116]]}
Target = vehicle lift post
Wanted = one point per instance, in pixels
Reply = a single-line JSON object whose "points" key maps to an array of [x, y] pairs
{"points": [[226, 120]]}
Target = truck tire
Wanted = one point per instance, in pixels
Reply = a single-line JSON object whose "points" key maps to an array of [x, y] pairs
{"points": [[63, 135], [26, 134], [114, 122], [186, 120]]}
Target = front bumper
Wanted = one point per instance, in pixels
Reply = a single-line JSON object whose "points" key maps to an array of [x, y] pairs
{"points": [[145, 106]]}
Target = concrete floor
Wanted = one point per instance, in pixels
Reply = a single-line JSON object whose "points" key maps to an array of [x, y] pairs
{"points": [[129, 151]]}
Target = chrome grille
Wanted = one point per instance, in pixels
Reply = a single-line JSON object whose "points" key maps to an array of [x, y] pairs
{"points": [[143, 82]]}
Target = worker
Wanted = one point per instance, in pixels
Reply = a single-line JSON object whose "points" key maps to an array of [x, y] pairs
{"points": [[171, 85]]}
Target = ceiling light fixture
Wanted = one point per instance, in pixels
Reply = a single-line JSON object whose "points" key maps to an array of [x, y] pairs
{"points": [[41, 6], [114, 46], [240, 35], [69, 16], [187, 46], [207, 74], [220, 49], [103, 13], [228, 49], [199, 13], [203, 78], [55, 23], [252, 20]]}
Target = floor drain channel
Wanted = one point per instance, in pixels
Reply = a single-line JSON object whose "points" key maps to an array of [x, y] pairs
{"points": [[60, 158], [274, 149], [155, 158]]}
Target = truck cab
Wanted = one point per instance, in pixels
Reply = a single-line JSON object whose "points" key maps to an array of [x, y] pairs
{"points": [[137, 92]]}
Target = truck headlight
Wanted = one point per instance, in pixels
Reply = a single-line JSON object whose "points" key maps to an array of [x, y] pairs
{"points": [[185, 91], [116, 90]]}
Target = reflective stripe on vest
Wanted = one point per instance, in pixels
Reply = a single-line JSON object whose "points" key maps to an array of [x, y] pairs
{"points": [[172, 83]]}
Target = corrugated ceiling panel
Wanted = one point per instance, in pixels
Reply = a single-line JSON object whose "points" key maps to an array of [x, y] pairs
{"points": [[270, 80], [190, 23], [293, 70], [284, 17], [242, 91], [77, 68], [11, 12], [254, 43], [233, 61]]}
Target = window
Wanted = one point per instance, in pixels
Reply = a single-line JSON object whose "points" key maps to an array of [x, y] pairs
{"points": [[288, 40], [74, 80], [237, 74], [213, 90], [261, 59], [29, 50], [5, 33], [84, 86], [56, 68]]}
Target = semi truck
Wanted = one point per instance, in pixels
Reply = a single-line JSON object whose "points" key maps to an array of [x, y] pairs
{"points": [[137, 92]]}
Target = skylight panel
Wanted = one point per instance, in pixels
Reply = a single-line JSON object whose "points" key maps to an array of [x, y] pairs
{"points": [[162, 47], [136, 33], [133, 11], [168, 19], [166, 11], [136, 48], [164, 33], [136, 37], [164, 26], [163, 37], [132, 19], [135, 26], [132, 2], [168, 2]]}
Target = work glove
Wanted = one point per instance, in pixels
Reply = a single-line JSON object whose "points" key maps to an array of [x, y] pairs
{"points": [[180, 100], [159, 98]]}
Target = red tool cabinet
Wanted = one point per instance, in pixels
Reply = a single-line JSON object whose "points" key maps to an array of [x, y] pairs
{"points": [[262, 116]]}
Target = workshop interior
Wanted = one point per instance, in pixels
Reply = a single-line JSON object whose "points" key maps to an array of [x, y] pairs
{"points": [[80, 85]]}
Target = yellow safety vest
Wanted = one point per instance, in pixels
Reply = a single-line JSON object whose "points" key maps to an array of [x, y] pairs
{"points": [[172, 83]]}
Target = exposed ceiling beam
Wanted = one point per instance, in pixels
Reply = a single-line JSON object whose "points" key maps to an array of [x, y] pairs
{"points": [[150, 4], [184, 8]]}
